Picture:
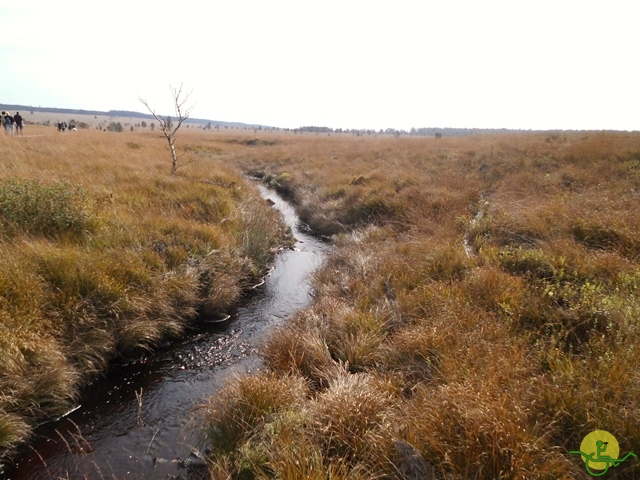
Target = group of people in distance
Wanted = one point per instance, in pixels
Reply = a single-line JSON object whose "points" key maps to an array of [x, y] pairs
{"points": [[12, 125], [62, 127]]}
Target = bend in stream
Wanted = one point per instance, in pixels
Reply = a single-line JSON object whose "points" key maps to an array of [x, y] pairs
{"points": [[140, 421]]}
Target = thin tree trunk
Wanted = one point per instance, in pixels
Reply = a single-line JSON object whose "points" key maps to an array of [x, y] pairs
{"points": [[174, 165], [182, 113]]}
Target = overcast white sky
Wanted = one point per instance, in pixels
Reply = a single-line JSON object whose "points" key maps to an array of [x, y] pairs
{"points": [[559, 64]]}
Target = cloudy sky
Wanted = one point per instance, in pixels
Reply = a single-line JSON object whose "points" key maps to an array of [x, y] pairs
{"points": [[559, 64]]}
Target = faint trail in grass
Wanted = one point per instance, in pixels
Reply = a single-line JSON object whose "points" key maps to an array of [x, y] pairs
{"points": [[466, 243]]}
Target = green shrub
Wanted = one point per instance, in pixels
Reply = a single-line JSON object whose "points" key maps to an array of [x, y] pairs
{"points": [[35, 208], [530, 262]]}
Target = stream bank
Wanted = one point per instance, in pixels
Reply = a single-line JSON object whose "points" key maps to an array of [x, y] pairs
{"points": [[141, 420]]}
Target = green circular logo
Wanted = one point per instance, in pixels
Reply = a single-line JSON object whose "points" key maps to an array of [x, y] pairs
{"points": [[596, 444], [600, 451]]}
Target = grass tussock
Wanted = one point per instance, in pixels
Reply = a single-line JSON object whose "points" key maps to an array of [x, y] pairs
{"points": [[31, 207], [104, 253], [478, 317]]}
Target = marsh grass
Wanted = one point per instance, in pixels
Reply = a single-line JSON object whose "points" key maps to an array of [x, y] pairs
{"points": [[31, 207], [104, 254], [488, 358]]}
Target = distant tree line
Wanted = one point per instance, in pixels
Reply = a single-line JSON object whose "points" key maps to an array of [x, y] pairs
{"points": [[414, 132], [209, 125]]}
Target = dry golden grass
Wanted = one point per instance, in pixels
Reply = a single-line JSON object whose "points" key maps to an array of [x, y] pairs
{"points": [[479, 315], [488, 283], [104, 253]]}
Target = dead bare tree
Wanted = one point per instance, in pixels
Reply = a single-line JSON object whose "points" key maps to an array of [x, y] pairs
{"points": [[169, 129]]}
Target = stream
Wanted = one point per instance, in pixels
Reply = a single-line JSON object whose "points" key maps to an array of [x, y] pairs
{"points": [[140, 421]]}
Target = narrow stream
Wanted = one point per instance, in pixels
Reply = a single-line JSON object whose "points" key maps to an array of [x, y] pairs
{"points": [[140, 422]]}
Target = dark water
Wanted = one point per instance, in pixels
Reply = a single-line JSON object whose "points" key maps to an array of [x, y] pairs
{"points": [[141, 421]]}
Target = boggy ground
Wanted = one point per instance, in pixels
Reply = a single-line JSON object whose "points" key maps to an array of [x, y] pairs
{"points": [[478, 318], [104, 253]]}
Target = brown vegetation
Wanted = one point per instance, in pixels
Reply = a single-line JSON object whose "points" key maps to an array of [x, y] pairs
{"points": [[478, 317], [103, 253]]}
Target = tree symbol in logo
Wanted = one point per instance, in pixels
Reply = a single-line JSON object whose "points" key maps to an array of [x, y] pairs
{"points": [[600, 451]]}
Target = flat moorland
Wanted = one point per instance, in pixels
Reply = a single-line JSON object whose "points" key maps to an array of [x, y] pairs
{"points": [[104, 253], [478, 317]]}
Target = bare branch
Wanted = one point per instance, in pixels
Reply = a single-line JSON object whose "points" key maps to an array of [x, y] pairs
{"points": [[159, 118], [183, 109], [169, 129]]}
